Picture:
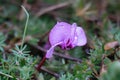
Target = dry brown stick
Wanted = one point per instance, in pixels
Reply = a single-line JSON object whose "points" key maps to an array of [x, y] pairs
{"points": [[44, 35], [59, 54], [50, 72], [51, 8], [68, 57]]}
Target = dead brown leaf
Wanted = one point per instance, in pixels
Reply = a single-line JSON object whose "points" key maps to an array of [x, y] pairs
{"points": [[111, 45]]}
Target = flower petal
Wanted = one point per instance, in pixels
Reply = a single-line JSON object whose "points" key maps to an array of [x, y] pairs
{"points": [[51, 50], [73, 31], [81, 37], [59, 32]]}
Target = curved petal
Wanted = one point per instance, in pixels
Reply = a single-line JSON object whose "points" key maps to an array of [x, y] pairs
{"points": [[81, 37], [73, 31], [51, 50]]}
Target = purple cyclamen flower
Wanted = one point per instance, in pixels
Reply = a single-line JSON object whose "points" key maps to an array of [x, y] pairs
{"points": [[66, 36]]}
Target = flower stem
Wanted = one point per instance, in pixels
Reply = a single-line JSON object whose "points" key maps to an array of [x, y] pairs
{"points": [[25, 29], [41, 63]]}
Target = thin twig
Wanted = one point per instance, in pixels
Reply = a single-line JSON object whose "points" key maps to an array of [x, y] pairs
{"points": [[67, 57], [51, 8], [44, 35], [50, 72], [58, 54]]}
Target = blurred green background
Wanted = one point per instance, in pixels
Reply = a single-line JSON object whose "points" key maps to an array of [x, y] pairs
{"points": [[100, 56]]}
